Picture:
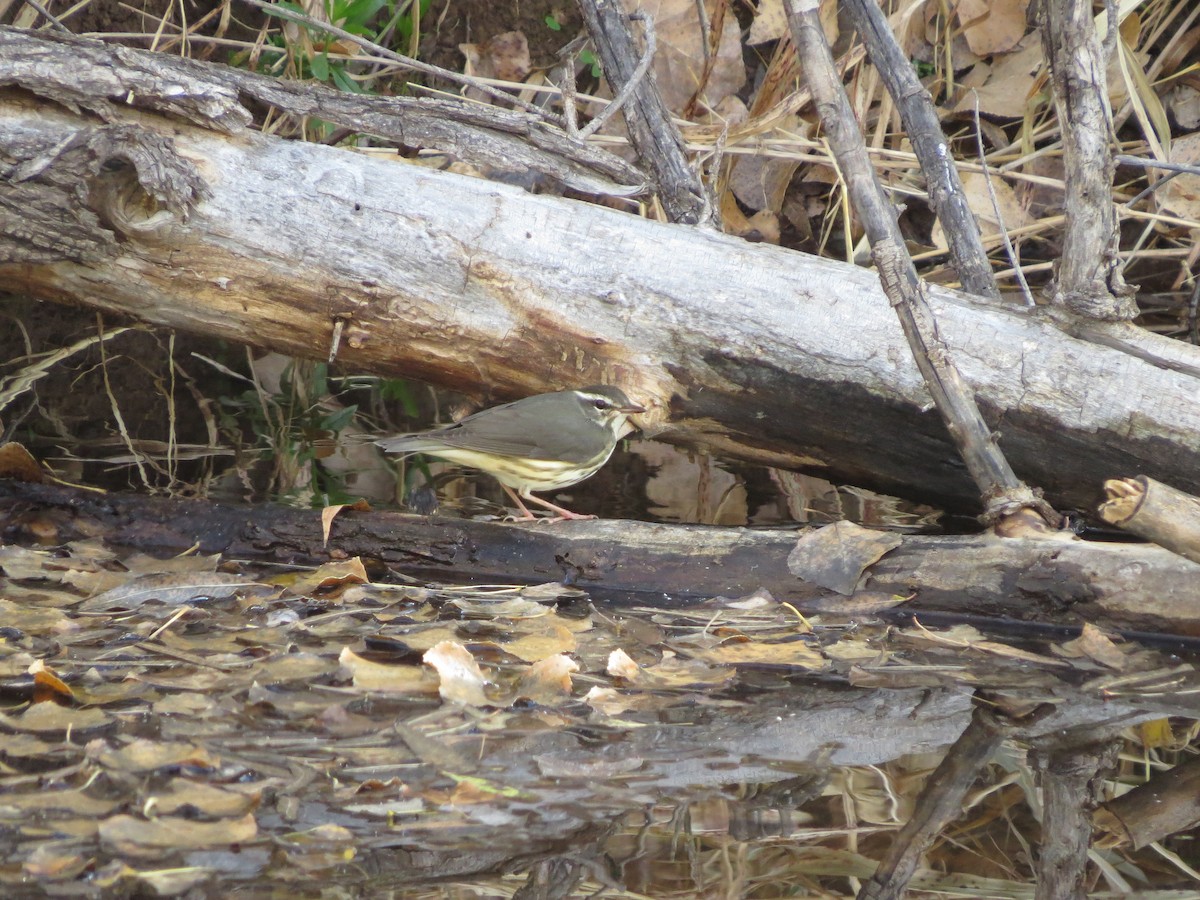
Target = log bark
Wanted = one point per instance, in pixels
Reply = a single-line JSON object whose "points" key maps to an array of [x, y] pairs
{"points": [[1022, 583], [1166, 804], [747, 350]]}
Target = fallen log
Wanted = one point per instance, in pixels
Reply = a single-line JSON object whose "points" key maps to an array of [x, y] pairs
{"points": [[1041, 581], [747, 350]]}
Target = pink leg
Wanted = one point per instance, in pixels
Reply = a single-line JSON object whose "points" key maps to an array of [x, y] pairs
{"points": [[562, 513], [527, 516]]}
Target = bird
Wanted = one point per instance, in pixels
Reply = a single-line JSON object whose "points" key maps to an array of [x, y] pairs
{"points": [[540, 443]]}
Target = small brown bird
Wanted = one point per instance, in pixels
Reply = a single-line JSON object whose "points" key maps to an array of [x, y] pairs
{"points": [[541, 443]]}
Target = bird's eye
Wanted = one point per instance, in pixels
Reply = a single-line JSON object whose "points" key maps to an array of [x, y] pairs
{"points": [[601, 404]]}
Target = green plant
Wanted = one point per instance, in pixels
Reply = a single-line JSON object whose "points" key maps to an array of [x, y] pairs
{"points": [[309, 55], [588, 58], [280, 432]]}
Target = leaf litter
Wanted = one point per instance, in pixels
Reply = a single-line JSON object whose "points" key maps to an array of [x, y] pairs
{"points": [[167, 733]]}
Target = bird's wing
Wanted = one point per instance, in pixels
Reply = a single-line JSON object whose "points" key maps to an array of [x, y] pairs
{"points": [[525, 429]]}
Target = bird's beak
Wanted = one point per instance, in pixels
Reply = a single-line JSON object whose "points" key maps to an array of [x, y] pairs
{"points": [[631, 409]]}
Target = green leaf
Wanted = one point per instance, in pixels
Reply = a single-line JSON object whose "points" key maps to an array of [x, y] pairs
{"points": [[400, 391], [552, 23], [588, 58], [345, 82], [319, 66], [336, 421], [318, 379]]}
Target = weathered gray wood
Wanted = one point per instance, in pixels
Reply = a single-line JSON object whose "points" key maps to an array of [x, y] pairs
{"points": [[1056, 580], [746, 349]]}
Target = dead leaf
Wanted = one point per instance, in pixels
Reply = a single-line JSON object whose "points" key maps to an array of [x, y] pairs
{"points": [[49, 687], [546, 642], [1183, 102], [50, 718], [571, 766], [462, 681], [770, 22], [329, 579], [504, 57], [1012, 212], [761, 182], [992, 26], [506, 607], [620, 665], [209, 800], [1097, 646], [548, 682], [54, 862], [149, 837], [18, 463], [742, 651], [1010, 82], [836, 556], [679, 61], [329, 513], [1181, 195], [674, 672], [967, 637], [612, 702], [143, 755], [389, 678], [173, 590], [75, 801]]}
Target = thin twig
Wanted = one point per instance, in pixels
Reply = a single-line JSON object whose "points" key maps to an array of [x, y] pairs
{"points": [[1110, 33], [1158, 164], [137, 455], [568, 88], [1146, 192], [639, 73], [50, 18], [1009, 250], [705, 28]]}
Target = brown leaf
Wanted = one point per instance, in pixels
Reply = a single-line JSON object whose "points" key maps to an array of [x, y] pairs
{"points": [[620, 665], [47, 718], [149, 837], [548, 681], [782, 653], [461, 679], [1009, 82], [49, 687], [144, 755], [208, 799], [1097, 646], [571, 766], [547, 642], [53, 862], [992, 26], [390, 678], [172, 590], [836, 556], [17, 463], [679, 62]]}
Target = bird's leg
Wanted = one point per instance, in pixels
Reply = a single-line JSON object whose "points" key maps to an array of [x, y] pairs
{"points": [[562, 513], [526, 515]]}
